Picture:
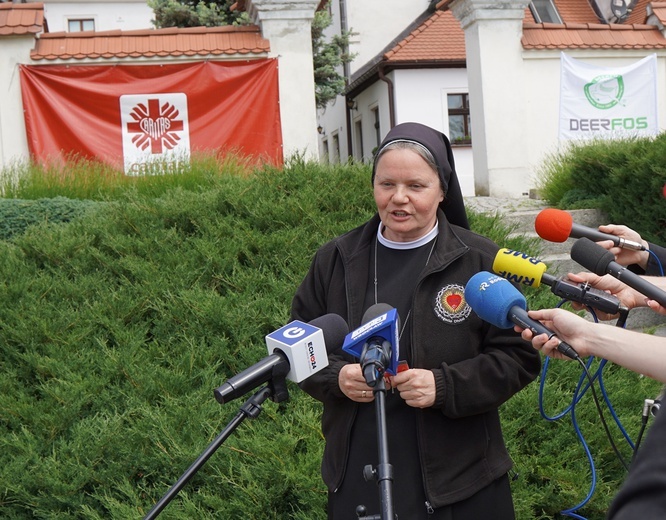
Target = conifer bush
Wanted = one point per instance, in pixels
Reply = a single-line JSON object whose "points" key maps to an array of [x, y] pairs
{"points": [[116, 325], [623, 178]]}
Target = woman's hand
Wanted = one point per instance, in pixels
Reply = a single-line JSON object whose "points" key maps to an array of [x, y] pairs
{"points": [[353, 385], [416, 387]]}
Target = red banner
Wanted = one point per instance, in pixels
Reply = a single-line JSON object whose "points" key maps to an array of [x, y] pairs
{"points": [[132, 115]]}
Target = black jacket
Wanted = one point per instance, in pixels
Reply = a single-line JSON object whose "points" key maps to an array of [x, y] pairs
{"points": [[477, 366]]}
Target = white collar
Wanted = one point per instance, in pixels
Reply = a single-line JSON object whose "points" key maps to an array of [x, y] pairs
{"points": [[406, 245]]}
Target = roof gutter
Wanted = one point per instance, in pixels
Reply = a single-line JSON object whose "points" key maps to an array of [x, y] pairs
{"points": [[391, 98]]}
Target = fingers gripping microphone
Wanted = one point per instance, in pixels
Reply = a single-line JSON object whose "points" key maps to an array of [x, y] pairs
{"points": [[296, 351], [524, 270], [375, 342], [600, 261], [556, 225], [499, 303]]}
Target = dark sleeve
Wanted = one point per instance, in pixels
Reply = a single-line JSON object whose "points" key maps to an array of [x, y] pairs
{"points": [[655, 265], [476, 385], [643, 494], [312, 300]]}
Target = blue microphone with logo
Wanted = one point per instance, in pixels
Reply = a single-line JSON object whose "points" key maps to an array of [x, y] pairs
{"points": [[296, 351], [375, 342], [498, 302]]}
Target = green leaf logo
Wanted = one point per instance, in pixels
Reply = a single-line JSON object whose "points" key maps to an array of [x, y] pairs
{"points": [[605, 92]]}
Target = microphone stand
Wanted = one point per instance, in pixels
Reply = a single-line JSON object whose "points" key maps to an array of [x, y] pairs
{"points": [[275, 389], [384, 471]]}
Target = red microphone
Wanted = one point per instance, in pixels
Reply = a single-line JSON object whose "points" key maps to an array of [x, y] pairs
{"points": [[556, 225]]}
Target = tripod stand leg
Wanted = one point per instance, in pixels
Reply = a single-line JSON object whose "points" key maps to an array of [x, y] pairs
{"points": [[251, 408]]}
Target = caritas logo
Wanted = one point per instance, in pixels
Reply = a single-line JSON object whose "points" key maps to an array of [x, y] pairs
{"points": [[155, 132]]}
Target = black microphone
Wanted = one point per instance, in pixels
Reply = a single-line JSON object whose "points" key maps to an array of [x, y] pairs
{"points": [[297, 350], [375, 342], [376, 355], [601, 262], [556, 225]]}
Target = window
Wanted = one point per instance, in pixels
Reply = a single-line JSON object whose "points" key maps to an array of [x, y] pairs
{"points": [[544, 11], [378, 135], [324, 144], [81, 24], [460, 128], [335, 152], [358, 130]]}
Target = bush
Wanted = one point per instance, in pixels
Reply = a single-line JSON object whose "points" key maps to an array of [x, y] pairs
{"points": [[623, 178], [116, 327]]}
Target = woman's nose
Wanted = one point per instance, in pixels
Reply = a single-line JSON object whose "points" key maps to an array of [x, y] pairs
{"points": [[400, 194]]}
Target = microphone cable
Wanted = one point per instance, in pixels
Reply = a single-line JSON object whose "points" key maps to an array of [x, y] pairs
{"points": [[585, 383], [658, 262]]}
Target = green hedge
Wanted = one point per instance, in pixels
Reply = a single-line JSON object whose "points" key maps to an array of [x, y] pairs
{"points": [[624, 178], [116, 327]]}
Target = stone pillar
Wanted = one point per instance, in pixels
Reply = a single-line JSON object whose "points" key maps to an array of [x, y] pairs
{"points": [[493, 31], [286, 24]]}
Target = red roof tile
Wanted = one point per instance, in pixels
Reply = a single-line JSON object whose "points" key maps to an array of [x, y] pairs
{"points": [[439, 38], [18, 19], [194, 41], [592, 36], [576, 11]]}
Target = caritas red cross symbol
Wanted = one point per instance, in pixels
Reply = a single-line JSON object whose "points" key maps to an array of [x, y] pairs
{"points": [[155, 126]]}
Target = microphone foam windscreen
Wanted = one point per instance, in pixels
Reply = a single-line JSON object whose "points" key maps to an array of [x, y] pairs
{"points": [[491, 297], [335, 329], [375, 310], [553, 225], [518, 267], [591, 256]]}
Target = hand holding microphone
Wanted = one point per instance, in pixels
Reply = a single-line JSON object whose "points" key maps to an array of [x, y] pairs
{"points": [[556, 225], [522, 269], [596, 259], [499, 303], [376, 344], [626, 256]]}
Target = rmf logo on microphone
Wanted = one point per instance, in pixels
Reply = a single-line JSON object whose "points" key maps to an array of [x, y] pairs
{"points": [[303, 345]]}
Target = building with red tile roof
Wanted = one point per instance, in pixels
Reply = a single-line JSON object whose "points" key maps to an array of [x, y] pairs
{"points": [[412, 74], [25, 40], [19, 19], [428, 63]]}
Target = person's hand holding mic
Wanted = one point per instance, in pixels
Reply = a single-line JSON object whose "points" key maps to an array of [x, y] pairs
{"points": [[416, 387], [625, 256], [567, 326], [629, 297], [353, 384]]}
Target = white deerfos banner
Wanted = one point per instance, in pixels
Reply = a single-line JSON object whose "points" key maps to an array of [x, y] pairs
{"points": [[603, 102]]}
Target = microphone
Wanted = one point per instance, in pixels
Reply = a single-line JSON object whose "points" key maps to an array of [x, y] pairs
{"points": [[375, 342], [497, 301], [556, 225], [601, 262], [296, 351], [524, 270]]}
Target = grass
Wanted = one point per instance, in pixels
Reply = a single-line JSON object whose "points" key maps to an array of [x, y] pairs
{"points": [[117, 323]]}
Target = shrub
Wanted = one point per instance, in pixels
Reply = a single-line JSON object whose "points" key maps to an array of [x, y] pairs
{"points": [[115, 327], [623, 178]]}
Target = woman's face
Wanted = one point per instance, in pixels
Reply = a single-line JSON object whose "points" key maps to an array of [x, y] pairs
{"points": [[407, 193]]}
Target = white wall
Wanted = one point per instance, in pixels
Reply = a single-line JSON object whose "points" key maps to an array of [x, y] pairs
{"points": [[540, 111], [13, 142], [422, 99], [108, 15], [377, 23]]}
